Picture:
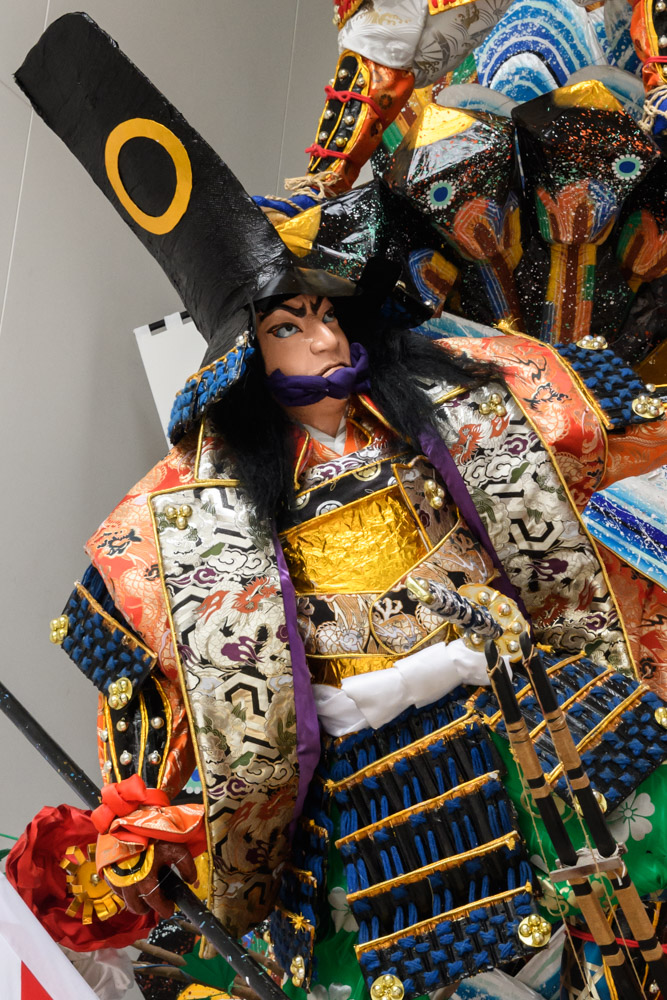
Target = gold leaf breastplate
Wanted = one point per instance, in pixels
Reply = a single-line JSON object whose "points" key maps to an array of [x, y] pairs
{"points": [[351, 540]]}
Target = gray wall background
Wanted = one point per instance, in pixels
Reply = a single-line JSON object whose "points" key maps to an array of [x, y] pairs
{"points": [[79, 426]]}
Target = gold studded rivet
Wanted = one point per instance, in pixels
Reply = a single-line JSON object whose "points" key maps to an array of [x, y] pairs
{"points": [[322, 136], [349, 119], [106, 766], [515, 627], [154, 757], [114, 702], [513, 646], [504, 610], [178, 515], [484, 409], [387, 987], [125, 758], [494, 398], [500, 410], [484, 597], [534, 931], [475, 639], [104, 735], [59, 629], [328, 114], [298, 970], [647, 406], [660, 716], [122, 725], [340, 141], [157, 722], [95, 879], [343, 74]]}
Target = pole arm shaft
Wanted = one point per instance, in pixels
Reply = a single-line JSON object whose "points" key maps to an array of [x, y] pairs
{"points": [[51, 751], [239, 959]]}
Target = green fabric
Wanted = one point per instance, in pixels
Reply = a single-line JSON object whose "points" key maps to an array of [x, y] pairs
{"points": [[640, 822], [213, 972]]}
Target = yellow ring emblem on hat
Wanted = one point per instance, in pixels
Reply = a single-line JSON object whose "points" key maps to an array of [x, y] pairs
{"points": [[146, 128]]}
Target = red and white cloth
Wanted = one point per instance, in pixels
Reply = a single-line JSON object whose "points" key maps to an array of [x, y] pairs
{"points": [[32, 966]]}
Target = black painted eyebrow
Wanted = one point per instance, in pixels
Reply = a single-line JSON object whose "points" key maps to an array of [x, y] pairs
{"points": [[299, 312]]}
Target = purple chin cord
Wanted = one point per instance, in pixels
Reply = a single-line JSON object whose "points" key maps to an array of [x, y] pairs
{"points": [[302, 390]]}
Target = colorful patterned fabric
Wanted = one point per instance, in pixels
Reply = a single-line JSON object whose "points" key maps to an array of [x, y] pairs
{"points": [[233, 610]]}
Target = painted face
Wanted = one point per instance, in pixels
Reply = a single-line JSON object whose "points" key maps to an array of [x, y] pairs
{"points": [[301, 336]]}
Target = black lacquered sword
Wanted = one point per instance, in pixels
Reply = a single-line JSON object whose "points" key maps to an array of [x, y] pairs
{"points": [[241, 962], [629, 900], [627, 986]]}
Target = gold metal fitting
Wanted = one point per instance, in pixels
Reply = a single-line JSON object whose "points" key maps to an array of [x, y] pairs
{"points": [[648, 407], [387, 987], [660, 716], [119, 693], [178, 515], [417, 589], [494, 406], [131, 870], [298, 970], [434, 494], [504, 611], [590, 343], [534, 931], [599, 798], [59, 629]]}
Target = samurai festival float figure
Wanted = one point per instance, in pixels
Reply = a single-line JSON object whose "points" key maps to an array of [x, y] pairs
{"points": [[248, 608], [388, 48]]}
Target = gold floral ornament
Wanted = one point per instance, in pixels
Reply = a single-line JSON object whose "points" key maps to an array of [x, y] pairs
{"points": [[387, 987], [534, 931], [505, 612], [92, 895], [59, 629], [178, 515]]}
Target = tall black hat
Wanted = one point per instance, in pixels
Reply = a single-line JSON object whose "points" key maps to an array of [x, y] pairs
{"points": [[184, 203]]}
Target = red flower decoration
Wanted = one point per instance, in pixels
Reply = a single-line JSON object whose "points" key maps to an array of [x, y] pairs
{"points": [[50, 866]]}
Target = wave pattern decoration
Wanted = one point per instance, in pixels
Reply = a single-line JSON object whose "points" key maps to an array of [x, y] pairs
{"points": [[535, 48]]}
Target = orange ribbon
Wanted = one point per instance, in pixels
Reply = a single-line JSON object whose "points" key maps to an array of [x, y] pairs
{"points": [[124, 797]]}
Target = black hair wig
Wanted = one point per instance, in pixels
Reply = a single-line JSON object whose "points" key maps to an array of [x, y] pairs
{"points": [[257, 430]]}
